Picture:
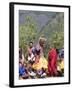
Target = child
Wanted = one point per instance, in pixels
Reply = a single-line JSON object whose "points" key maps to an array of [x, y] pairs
{"points": [[22, 71], [60, 67], [41, 73], [31, 71], [31, 56], [21, 56]]}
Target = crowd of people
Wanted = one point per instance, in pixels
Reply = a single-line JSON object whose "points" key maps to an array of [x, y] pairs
{"points": [[37, 66]]}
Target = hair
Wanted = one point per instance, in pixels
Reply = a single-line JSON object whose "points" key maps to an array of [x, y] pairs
{"points": [[30, 42], [20, 53], [42, 39]]}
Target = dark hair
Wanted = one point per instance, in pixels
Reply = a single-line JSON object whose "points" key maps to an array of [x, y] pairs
{"points": [[20, 53], [30, 42], [57, 50]]}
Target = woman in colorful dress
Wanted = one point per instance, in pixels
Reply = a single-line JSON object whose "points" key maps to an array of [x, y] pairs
{"points": [[40, 61]]}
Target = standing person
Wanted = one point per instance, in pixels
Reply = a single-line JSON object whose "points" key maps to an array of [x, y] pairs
{"points": [[31, 56], [31, 60], [52, 62], [61, 53], [40, 61], [41, 44], [21, 56], [41, 47], [61, 61]]}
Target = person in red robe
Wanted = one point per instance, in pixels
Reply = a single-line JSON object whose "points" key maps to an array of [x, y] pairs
{"points": [[52, 62]]}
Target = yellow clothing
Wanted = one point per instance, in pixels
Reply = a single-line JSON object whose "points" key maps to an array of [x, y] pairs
{"points": [[41, 64], [60, 65]]}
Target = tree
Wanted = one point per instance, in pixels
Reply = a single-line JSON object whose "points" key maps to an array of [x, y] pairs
{"points": [[27, 33], [57, 40]]}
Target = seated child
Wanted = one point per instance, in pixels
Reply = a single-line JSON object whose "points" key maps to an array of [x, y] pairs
{"points": [[22, 71], [41, 73], [60, 67], [31, 71]]}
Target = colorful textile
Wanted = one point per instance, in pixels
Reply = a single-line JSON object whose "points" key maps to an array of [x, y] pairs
{"points": [[22, 71], [41, 64]]}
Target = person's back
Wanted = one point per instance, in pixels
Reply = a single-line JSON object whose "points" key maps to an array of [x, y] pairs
{"points": [[52, 61], [52, 53]]}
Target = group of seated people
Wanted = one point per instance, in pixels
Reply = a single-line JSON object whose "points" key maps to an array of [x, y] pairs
{"points": [[37, 66]]}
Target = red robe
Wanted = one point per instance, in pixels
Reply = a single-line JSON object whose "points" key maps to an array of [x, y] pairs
{"points": [[52, 62]]}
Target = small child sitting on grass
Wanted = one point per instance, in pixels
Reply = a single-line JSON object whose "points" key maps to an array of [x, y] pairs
{"points": [[23, 74]]}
